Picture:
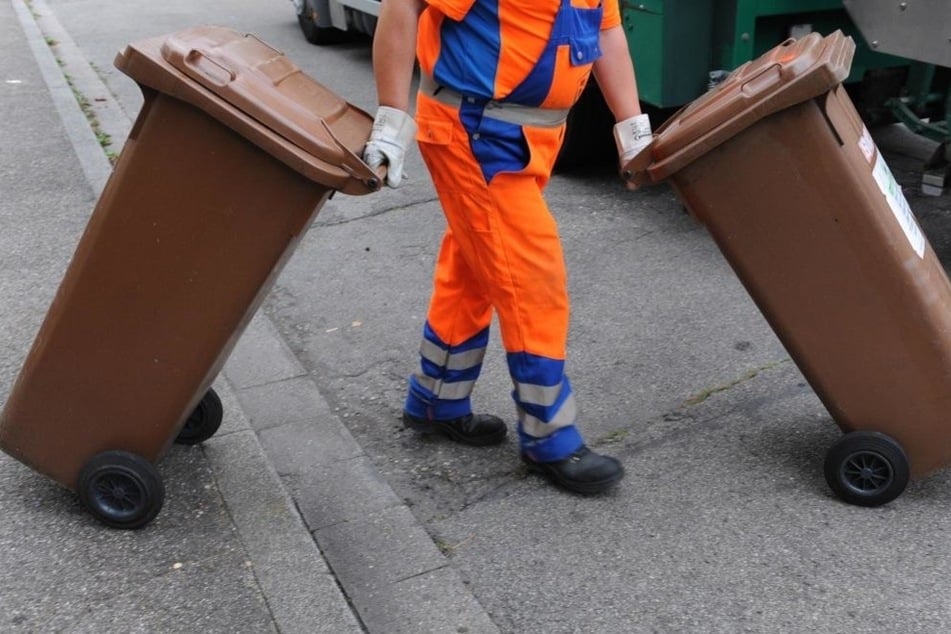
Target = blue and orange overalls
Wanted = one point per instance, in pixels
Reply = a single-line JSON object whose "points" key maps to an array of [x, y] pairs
{"points": [[497, 80]]}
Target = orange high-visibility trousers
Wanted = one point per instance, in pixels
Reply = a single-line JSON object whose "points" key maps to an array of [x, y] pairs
{"points": [[501, 251]]}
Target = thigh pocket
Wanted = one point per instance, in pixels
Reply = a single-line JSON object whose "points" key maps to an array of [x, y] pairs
{"points": [[433, 131]]}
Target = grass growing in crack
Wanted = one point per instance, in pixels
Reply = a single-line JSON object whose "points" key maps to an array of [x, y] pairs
{"points": [[612, 437], [618, 435], [105, 141], [448, 549], [707, 393]]}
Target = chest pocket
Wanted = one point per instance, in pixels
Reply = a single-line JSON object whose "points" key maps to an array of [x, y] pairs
{"points": [[562, 70], [582, 38]]}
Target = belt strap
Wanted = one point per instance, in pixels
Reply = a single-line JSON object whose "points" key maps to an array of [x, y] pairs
{"points": [[499, 110]]}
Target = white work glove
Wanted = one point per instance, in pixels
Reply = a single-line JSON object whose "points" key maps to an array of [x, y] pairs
{"points": [[631, 136], [393, 130]]}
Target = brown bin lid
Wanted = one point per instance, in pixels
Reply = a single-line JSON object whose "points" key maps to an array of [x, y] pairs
{"points": [[793, 72], [260, 93]]}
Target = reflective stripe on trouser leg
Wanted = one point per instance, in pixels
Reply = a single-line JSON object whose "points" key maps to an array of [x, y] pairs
{"points": [[454, 340], [546, 407], [506, 236], [442, 387]]}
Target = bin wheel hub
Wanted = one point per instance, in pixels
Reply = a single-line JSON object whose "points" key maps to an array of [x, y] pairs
{"points": [[867, 471], [114, 491]]}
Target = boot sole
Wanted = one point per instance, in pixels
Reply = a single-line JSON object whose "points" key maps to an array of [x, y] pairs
{"points": [[432, 428], [586, 487]]}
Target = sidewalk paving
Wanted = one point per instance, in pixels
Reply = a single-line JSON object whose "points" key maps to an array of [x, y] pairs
{"points": [[230, 551]]}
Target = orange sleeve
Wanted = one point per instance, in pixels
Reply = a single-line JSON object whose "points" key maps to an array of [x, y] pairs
{"points": [[452, 9], [612, 15]]}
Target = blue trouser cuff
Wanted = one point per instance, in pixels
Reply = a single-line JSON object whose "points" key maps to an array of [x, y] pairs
{"points": [[557, 446], [421, 404]]}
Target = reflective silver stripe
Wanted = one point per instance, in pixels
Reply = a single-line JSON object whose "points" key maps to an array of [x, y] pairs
{"points": [[540, 429], [498, 110], [447, 391], [544, 395], [455, 361]]}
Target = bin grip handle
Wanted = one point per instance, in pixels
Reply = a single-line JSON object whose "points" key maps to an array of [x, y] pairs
{"points": [[634, 172], [354, 165], [212, 70]]}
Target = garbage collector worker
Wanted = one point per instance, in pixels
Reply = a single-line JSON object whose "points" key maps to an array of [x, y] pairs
{"points": [[497, 78]]}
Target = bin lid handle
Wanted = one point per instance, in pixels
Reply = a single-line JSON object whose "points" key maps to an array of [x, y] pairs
{"points": [[277, 52], [211, 69]]}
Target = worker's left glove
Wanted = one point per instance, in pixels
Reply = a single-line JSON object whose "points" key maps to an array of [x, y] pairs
{"points": [[392, 132], [631, 136]]}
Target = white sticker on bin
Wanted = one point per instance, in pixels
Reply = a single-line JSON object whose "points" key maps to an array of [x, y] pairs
{"points": [[867, 145], [898, 204]]}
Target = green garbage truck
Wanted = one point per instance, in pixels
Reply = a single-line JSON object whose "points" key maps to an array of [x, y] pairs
{"points": [[682, 48]]}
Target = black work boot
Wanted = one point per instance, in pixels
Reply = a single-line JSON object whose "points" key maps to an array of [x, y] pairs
{"points": [[471, 429], [584, 471]]}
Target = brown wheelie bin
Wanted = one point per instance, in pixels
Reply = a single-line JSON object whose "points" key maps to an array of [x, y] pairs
{"points": [[233, 153], [778, 165]]}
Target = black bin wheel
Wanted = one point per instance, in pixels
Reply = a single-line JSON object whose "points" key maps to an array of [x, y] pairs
{"points": [[867, 468], [203, 422], [121, 489]]}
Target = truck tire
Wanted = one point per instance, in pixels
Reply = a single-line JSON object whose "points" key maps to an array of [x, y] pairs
{"points": [[319, 35]]}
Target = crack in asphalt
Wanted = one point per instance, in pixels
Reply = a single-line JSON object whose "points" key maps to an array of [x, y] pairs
{"points": [[373, 214]]}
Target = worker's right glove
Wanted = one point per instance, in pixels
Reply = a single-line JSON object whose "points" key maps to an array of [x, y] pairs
{"points": [[392, 132], [631, 136]]}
